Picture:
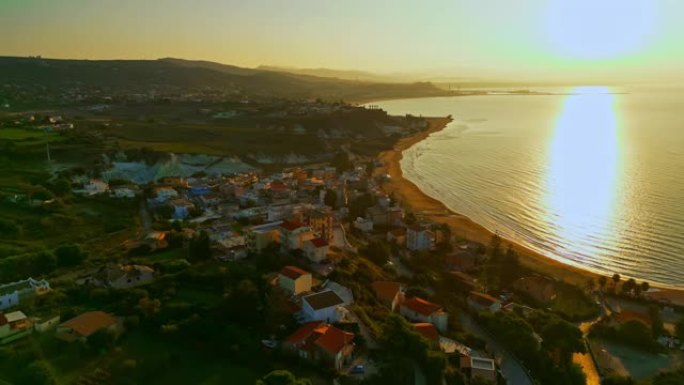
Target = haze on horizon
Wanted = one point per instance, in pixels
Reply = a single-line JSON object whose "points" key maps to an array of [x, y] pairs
{"points": [[562, 40]]}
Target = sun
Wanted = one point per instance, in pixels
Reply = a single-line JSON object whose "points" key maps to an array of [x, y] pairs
{"points": [[599, 29]]}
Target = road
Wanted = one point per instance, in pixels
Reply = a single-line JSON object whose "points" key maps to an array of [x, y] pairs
{"points": [[511, 368]]}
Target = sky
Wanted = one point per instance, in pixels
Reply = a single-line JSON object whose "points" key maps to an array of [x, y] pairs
{"points": [[552, 39]]}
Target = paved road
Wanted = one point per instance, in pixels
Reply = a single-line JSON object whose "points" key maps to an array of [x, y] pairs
{"points": [[511, 368]]}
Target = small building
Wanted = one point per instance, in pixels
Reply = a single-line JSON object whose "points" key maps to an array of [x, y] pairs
{"points": [[259, 237], [389, 293], [397, 236], [482, 302], [320, 341], [182, 208], [484, 368], [163, 194], [293, 234], [363, 224], [428, 331], [381, 216], [87, 324], [123, 192], [12, 294], [316, 249], [321, 222], [419, 310], [540, 289], [121, 276], [419, 238], [95, 187], [13, 323], [322, 306], [294, 280]]}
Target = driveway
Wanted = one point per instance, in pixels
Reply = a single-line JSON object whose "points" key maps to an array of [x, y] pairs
{"points": [[511, 368]]}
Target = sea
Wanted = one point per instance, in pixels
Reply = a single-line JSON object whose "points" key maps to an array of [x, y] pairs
{"points": [[590, 176]]}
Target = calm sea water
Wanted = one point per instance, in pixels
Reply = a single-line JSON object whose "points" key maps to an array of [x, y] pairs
{"points": [[593, 178]]}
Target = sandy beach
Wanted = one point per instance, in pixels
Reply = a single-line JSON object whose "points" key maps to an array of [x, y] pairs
{"points": [[414, 200]]}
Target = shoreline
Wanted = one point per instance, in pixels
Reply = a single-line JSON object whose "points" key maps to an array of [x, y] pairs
{"points": [[424, 206]]}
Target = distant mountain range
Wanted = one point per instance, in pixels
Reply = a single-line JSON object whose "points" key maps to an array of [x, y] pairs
{"points": [[185, 75]]}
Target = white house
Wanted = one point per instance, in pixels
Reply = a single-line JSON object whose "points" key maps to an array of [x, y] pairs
{"points": [[419, 238], [316, 249], [294, 280], [12, 293], [419, 310], [293, 234], [95, 187], [363, 224], [122, 276], [123, 192], [322, 306], [181, 208]]}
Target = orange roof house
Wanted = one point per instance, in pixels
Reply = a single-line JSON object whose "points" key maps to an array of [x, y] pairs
{"points": [[388, 292], [428, 331], [321, 341], [87, 324]]}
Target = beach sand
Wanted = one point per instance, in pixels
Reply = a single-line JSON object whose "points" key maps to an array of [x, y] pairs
{"points": [[414, 200]]}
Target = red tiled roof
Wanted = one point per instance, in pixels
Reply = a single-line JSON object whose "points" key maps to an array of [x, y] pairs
{"points": [[427, 330], [293, 272], [304, 332], [291, 225], [421, 306], [319, 242], [386, 290], [90, 322], [334, 339], [482, 298]]}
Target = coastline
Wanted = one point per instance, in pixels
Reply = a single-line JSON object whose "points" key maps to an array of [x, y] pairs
{"points": [[424, 206]]}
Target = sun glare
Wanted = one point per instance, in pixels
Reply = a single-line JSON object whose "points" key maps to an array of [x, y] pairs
{"points": [[584, 161], [599, 29]]}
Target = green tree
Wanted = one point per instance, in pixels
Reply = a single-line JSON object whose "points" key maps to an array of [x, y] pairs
{"points": [[602, 281], [617, 380], [200, 247], [562, 338], [282, 377], [616, 279], [330, 198], [36, 373], [670, 378], [69, 255], [377, 251]]}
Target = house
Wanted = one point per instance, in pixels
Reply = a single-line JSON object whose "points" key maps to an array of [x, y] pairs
{"points": [[163, 194], [95, 187], [428, 331], [293, 234], [87, 324], [461, 261], [480, 367], [397, 236], [419, 310], [155, 240], [322, 306], [294, 280], [316, 249], [121, 276], [419, 238], [540, 289], [363, 224], [320, 341], [258, 237], [381, 216], [12, 293], [481, 302], [123, 192], [182, 208], [389, 293], [343, 292], [13, 323], [321, 222]]}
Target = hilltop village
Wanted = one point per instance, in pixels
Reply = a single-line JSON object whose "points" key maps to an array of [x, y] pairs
{"points": [[147, 267]]}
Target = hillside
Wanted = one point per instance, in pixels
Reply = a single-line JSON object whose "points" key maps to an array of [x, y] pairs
{"points": [[183, 76]]}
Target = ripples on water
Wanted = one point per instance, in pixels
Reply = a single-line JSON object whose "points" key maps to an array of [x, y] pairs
{"points": [[591, 179]]}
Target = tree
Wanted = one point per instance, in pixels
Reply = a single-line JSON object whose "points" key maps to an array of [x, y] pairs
{"points": [[616, 279], [617, 380], [44, 262], [200, 247], [101, 339], [591, 284], [282, 377], [670, 378], [69, 255], [330, 198], [602, 281], [629, 286], [36, 373], [61, 187], [495, 246], [645, 286], [377, 251], [562, 338]]}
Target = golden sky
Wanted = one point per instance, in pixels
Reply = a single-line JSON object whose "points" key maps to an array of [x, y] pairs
{"points": [[561, 39]]}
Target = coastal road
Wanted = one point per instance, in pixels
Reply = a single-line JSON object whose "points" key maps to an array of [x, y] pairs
{"points": [[511, 368]]}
